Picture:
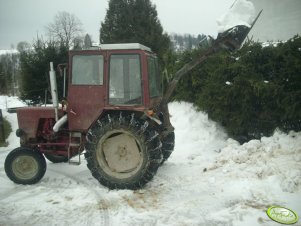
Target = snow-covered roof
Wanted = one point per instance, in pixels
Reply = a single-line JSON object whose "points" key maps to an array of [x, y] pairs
{"points": [[124, 46]]}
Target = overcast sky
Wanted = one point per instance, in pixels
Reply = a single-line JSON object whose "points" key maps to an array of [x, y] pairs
{"points": [[23, 20]]}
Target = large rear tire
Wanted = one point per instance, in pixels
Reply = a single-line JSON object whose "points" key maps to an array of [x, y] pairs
{"points": [[168, 144], [25, 166], [122, 151]]}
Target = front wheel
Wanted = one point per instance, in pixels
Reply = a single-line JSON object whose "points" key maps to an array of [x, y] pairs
{"points": [[25, 166], [123, 151]]}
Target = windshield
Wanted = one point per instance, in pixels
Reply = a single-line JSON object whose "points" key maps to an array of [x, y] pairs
{"points": [[125, 79], [154, 78], [87, 70]]}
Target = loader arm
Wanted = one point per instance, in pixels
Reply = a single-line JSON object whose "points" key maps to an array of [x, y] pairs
{"points": [[230, 39]]}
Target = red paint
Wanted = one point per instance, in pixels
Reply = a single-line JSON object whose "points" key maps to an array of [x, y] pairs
{"points": [[86, 103]]}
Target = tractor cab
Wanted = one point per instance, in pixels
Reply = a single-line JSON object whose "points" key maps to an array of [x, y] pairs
{"points": [[111, 76]]}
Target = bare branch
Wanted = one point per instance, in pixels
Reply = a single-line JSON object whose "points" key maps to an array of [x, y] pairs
{"points": [[65, 28]]}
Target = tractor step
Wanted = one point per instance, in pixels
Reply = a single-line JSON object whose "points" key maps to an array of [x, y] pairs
{"points": [[73, 143], [75, 162]]}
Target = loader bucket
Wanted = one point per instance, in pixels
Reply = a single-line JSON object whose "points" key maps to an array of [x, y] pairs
{"points": [[233, 38]]}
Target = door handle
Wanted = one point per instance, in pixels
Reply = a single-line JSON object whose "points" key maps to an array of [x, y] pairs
{"points": [[72, 112]]}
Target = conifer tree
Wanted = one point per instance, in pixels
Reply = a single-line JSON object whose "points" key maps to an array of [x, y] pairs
{"points": [[129, 21], [35, 69]]}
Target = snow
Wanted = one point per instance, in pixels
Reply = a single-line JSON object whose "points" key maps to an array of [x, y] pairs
{"points": [[241, 13], [10, 102], [209, 179], [8, 51], [270, 44]]}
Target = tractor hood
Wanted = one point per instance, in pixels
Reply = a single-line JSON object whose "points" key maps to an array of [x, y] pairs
{"points": [[29, 118]]}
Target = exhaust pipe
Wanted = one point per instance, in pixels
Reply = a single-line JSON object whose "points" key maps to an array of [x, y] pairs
{"points": [[60, 123], [54, 95]]}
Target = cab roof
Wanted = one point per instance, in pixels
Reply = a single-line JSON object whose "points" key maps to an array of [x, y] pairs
{"points": [[118, 46]]}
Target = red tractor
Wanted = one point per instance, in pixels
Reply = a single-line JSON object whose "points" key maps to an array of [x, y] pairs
{"points": [[115, 114]]}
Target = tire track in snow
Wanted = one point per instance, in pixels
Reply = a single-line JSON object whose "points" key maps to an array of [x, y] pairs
{"points": [[89, 185], [11, 192]]}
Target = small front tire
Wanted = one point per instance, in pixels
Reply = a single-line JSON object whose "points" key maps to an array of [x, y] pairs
{"points": [[25, 166]]}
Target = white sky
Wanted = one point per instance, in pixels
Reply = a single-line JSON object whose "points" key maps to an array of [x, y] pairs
{"points": [[22, 20]]}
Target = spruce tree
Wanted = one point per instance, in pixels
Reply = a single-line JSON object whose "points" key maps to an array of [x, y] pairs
{"points": [[35, 69], [129, 21]]}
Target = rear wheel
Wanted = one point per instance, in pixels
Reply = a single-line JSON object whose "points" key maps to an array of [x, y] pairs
{"points": [[168, 144], [123, 152], [25, 166]]}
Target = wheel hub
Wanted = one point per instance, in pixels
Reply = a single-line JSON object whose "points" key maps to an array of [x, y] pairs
{"points": [[122, 153], [25, 167]]}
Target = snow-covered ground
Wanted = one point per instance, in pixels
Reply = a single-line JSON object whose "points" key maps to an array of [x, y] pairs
{"points": [[208, 180]]}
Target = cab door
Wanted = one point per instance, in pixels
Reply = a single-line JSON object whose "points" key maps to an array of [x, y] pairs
{"points": [[86, 90]]}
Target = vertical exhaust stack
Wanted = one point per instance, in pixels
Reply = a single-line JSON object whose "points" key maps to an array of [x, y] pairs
{"points": [[54, 90]]}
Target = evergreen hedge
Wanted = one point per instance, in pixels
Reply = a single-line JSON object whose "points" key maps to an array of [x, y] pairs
{"points": [[7, 131], [35, 70], [250, 92]]}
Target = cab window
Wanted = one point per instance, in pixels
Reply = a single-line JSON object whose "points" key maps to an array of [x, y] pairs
{"points": [[125, 79], [154, 78], [87, 70]]}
